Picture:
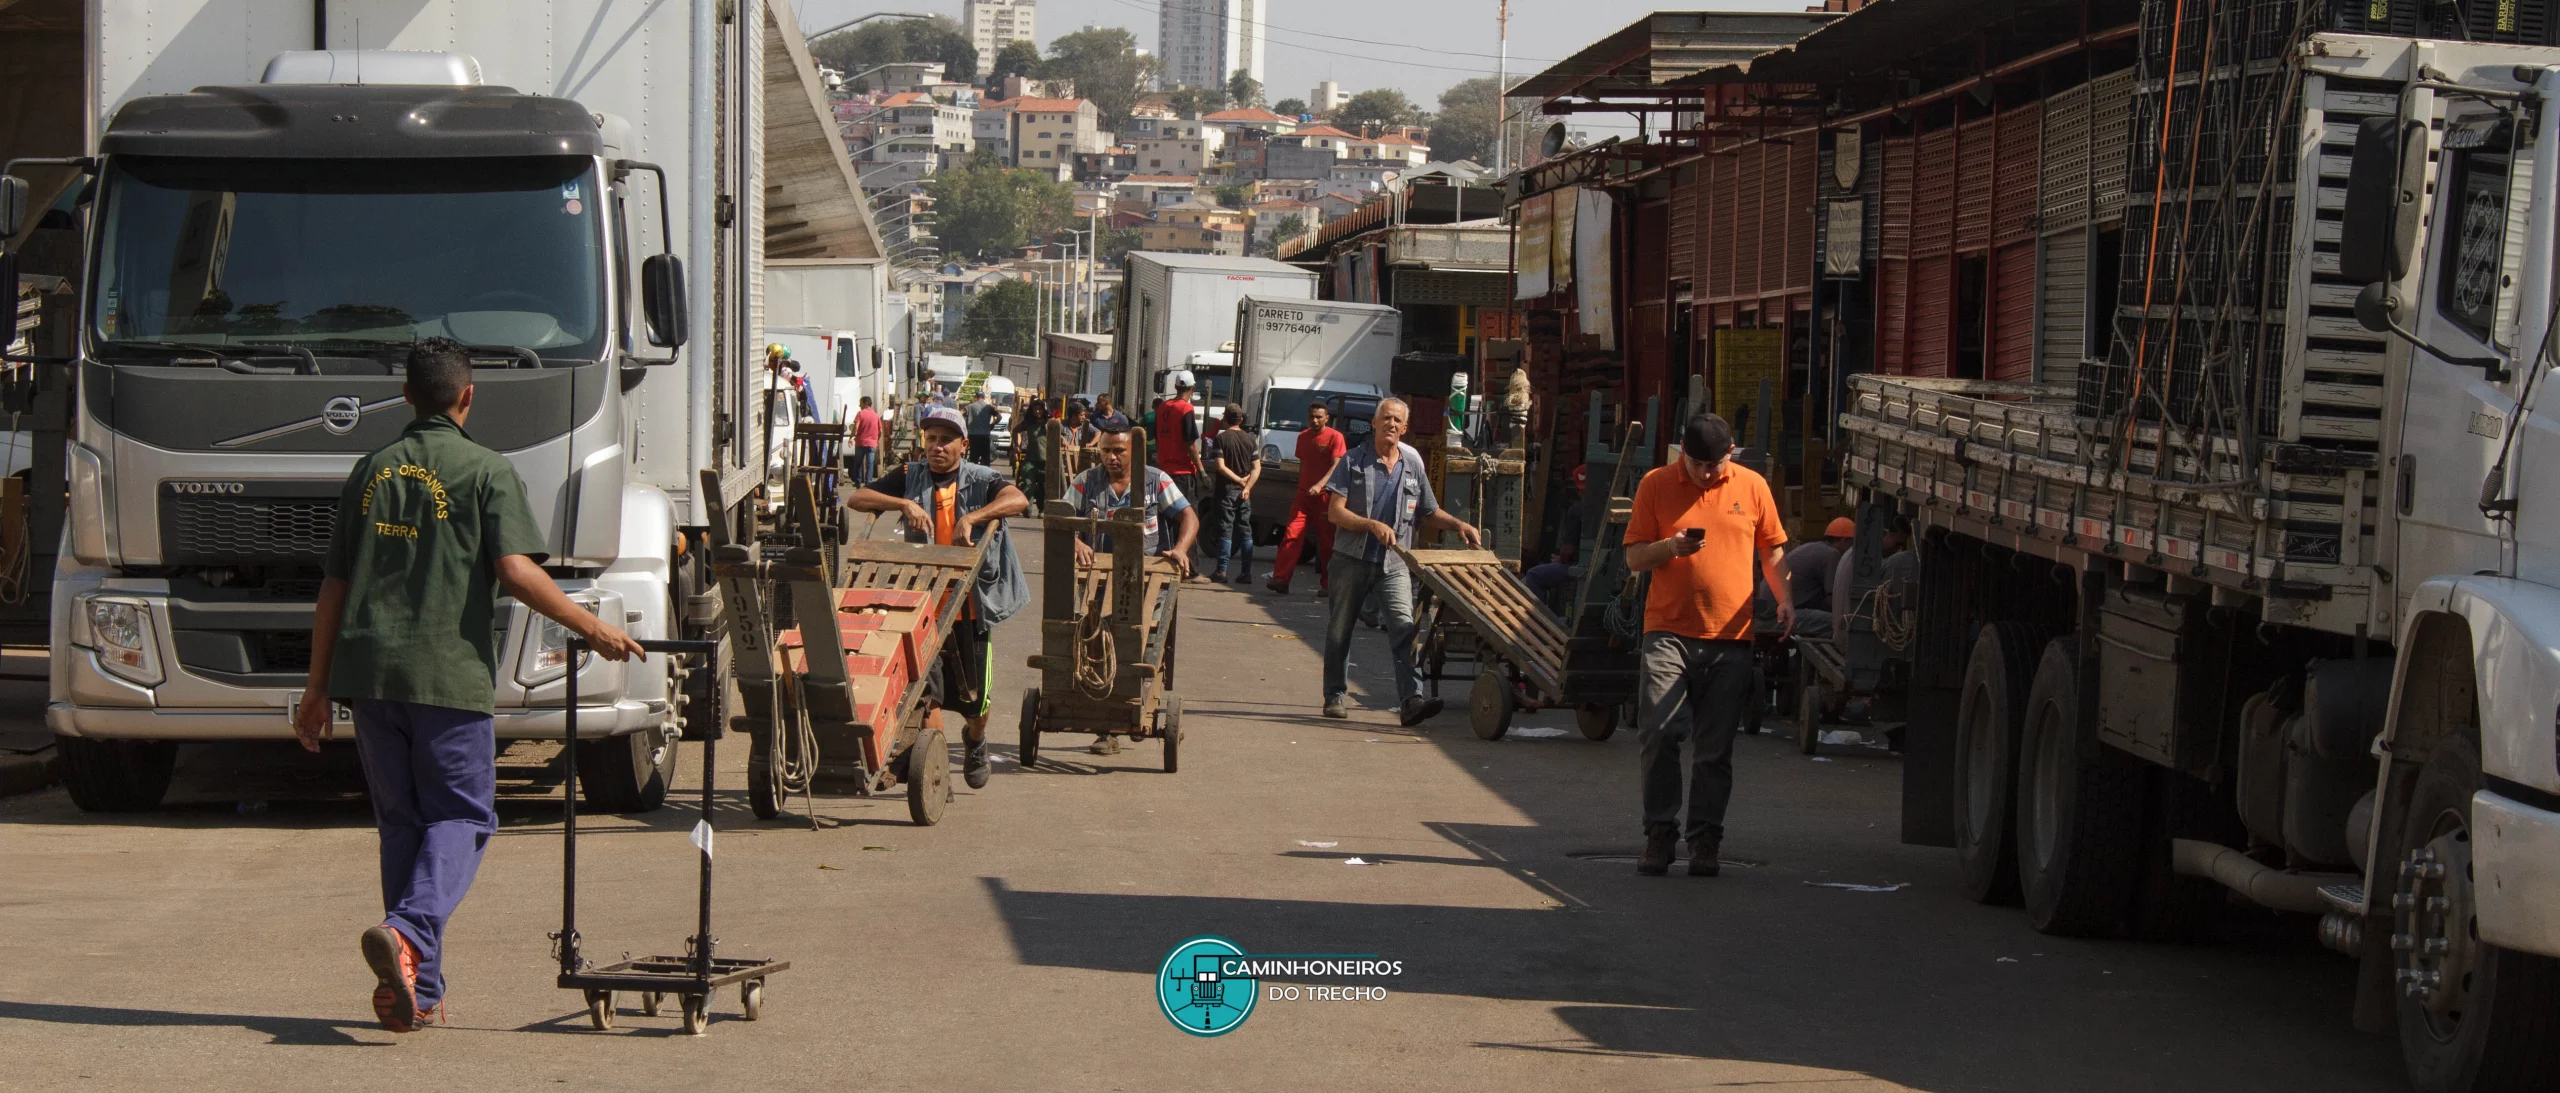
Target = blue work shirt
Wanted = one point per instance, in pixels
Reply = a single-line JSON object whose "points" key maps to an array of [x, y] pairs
{"points": [[1399, 497]]}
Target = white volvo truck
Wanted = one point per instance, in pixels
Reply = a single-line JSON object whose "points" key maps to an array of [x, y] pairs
{"points": [[276, 199], [2306, 655]]}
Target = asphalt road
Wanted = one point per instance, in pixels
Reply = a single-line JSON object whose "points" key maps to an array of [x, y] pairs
{"points": [[1015, 946]]}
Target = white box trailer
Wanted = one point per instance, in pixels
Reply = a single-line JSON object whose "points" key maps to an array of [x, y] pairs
{"points": [[1176, 306], [847, 300]]}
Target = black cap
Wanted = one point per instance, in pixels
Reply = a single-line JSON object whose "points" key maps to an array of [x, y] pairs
{"points": [[1707, 439]]}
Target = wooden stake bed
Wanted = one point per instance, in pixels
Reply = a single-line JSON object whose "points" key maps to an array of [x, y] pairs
{"points": [[1498, 605]]}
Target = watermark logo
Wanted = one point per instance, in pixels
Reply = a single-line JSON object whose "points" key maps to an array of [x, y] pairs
{"points": [[1196, 992], [1208, 985]]}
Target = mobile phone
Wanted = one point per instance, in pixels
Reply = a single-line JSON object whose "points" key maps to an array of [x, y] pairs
{"points": [[1694, 534]]}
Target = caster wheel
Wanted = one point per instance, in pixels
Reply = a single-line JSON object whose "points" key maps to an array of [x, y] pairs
{"points": [[1596, 722], [600, 1009], [649, 1003], [1490, 704], [1809, 718], [697, 1014], [751, 998], [1169, 727]]}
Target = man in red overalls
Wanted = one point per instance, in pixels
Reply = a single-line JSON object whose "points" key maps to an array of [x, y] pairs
{"points": [[1319, 447]]}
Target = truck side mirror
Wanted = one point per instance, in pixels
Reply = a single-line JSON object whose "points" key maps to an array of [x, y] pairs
{"points": [[13, 206], [2386, 185], [662, 299]]}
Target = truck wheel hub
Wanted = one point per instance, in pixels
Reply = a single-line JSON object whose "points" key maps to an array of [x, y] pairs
{"points": [[2434, 947]]}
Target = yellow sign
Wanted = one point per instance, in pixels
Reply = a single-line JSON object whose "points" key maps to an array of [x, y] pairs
{"points": [[1743, 360]]}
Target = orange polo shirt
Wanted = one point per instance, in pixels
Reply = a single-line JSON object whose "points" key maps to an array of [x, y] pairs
{"points": [[1706, 595]]}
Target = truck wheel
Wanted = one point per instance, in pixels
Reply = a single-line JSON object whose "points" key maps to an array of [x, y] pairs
{"points": [[2079, 810], [628, 773], [2474, 1018], [115, 775], [1990, 710]]}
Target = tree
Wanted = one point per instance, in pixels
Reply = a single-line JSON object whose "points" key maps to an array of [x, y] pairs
{"points": [[1233, 195], [1243, 90], [1464, 127], [1377, 106], [1116, 245], [987, 211], [1107, 69], [1289, 108], [1289, 227], [1017, 58], [889, 41], [1003, 319], [1191, 102]]}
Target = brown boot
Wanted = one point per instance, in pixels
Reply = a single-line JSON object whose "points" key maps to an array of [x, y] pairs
{"points": [[1656, 859], [1703, 861]]}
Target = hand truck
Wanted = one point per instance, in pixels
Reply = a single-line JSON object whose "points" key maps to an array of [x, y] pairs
{"points": [[691, 977]]}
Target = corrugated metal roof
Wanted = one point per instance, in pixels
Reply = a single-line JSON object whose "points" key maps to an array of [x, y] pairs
{"points": [[1887, 33], [1666, 46]]}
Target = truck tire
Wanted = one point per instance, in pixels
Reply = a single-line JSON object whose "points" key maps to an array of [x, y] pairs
{"points": [[115, 775], [1991, 710], [2079, 810], [2489, 1022], [628, 773]]}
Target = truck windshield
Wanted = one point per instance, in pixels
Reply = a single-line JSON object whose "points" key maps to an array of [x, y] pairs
{"points": [[355, 256], [1286, 408]]}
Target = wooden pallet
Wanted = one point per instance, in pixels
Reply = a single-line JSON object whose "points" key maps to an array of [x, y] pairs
{"points": [[1481, 588]]}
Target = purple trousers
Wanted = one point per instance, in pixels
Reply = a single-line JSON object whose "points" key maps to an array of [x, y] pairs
{"points": [[433, 775]]}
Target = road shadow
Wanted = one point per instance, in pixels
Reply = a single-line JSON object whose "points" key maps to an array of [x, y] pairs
{"points": [[289, 1031]]}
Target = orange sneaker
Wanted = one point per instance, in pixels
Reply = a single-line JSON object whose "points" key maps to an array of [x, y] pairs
{"points": [[395, 965]]}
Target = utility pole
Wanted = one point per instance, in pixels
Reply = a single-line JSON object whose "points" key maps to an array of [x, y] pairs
{"points": [[1502, 91]]}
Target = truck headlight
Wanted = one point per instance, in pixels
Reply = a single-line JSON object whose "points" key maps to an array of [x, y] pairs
{"points": [[546, 649], [121, 630]]}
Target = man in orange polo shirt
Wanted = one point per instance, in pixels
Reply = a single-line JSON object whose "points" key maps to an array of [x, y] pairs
{"points": [[1700, 526]]}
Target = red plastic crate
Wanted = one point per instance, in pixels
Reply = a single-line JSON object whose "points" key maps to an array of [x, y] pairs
{"points": [[854, 598]]}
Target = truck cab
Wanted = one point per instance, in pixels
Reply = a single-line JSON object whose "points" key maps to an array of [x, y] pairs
{"points": [[1278, 412], [261, 259]]}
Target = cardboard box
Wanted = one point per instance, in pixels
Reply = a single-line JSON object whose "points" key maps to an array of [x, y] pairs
{"points": [[857, 598]]}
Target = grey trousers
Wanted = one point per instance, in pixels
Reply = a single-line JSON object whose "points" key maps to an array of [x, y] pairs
{"points": [[1696, 691]]}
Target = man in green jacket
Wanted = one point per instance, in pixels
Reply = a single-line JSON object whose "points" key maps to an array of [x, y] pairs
{"points": [[429, 528]]}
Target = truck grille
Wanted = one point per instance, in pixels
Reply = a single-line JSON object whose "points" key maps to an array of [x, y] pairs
{"points": [[196, 530]]}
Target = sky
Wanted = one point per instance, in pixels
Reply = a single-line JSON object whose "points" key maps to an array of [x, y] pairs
{"points": [[1417, 46]]}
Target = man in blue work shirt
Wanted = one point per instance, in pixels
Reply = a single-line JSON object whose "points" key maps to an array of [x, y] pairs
{"points": [[429, 528], [1380, 493]]}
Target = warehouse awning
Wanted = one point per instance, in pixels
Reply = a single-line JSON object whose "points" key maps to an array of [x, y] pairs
{"points": [[1666, 46], [1888, 36]]}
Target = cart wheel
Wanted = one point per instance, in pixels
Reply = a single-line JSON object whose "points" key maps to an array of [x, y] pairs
{"points": [[1030, 755], [697, 1014], [1809, 715], [1169, 726], [928, 778], [600, 1008], [1491, 705], [764, 775], [1596, 722], [649, 1003], [751, 998]]}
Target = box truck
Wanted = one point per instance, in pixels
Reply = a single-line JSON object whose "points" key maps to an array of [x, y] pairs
{"points": [[1179, 314], [1292, 354], [271, 201]]}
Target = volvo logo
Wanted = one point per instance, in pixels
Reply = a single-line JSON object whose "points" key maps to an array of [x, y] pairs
{"points": [[208, 487], [339, 415]]}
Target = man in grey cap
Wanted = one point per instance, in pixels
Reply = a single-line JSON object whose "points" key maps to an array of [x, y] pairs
{"points": [[1700, 526]]}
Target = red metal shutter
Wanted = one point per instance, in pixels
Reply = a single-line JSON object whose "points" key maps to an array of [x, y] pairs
{"points": [[2014, 210], [1893, 227], [1746, 224], [1804, 164], [1893, 315], [1721, 197], [2013, 311], [1933, 195], [1975, 168], [1773, 218], [1933, 309], [1684, 225], [1646, 266]]}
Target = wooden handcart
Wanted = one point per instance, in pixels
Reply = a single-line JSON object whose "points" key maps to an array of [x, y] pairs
{"points": [[1107, 637], [849, 707], [1518, 644]]}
